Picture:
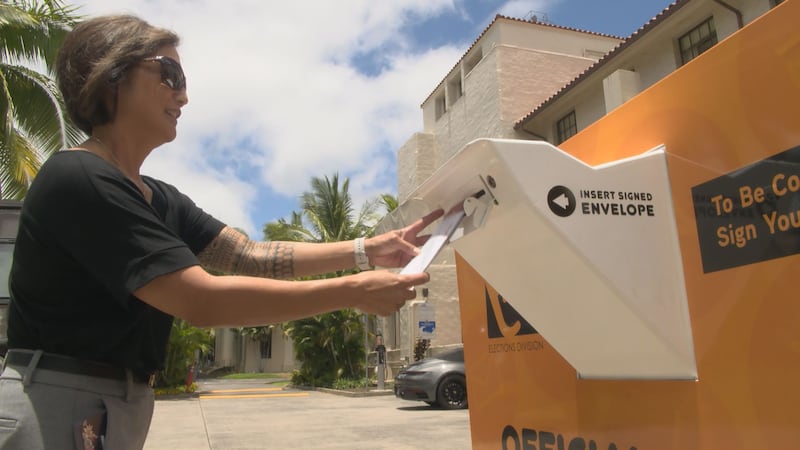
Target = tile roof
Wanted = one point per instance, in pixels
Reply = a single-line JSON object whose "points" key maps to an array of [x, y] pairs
{"points": [[652, 23], [499, 17]]}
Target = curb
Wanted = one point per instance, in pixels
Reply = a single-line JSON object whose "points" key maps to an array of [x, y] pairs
{"points": [[194, 394], [371, 393]]}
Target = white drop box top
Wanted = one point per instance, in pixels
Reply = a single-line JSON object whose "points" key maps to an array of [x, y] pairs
{"points": [[588, 255]]}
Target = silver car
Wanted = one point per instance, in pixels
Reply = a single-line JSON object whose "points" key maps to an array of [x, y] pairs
{"points": [[438, 381]]}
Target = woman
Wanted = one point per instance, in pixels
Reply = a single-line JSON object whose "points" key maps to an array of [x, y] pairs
{"points": [[106, 257]]}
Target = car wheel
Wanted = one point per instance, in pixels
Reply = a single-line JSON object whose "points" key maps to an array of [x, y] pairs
{"points": [[452, 392]]}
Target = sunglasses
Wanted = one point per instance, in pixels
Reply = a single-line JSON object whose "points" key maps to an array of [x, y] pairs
{"points": [[171, 72]]}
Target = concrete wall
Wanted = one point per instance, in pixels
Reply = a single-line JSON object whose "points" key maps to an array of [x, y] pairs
{"points": [[507, 84], [476, 113], [416, 161]]}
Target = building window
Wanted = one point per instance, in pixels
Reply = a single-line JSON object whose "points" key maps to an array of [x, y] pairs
{"points": [[440, 105], [698, 40], [454, 89], [566, 127], [473, 61]]}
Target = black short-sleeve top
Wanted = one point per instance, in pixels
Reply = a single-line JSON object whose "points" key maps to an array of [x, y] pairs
{"points": [[87, 240]]}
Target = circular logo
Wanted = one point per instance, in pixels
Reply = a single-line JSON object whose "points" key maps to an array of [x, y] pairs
{"points": [[561, 201]]}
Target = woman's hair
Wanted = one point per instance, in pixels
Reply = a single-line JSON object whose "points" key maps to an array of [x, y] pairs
{"points": [[95, 57]]}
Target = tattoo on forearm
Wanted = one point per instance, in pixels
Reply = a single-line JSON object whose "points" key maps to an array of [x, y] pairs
{"points": [[233, 253]]}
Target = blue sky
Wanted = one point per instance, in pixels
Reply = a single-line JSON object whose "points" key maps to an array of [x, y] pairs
{"points": [[615, 17], [283, 91]]}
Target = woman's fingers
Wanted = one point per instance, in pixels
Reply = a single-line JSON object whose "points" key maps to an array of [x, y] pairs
{"points": [[413, 230], [385, 292]]}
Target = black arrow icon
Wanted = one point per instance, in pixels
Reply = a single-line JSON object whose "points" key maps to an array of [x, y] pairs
{"points": [[561, 201]]}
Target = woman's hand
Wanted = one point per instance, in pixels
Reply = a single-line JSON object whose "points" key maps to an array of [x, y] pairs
{"points": [[397, 247], [383, 292]]}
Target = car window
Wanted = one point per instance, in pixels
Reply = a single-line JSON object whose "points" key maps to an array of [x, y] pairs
{"points": [[456, 355]]}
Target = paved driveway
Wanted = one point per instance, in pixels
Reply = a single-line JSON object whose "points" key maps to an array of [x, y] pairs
{"points": [[252, 414]]}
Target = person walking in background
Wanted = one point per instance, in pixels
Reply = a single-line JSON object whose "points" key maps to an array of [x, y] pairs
{"points": [[106, 257]]}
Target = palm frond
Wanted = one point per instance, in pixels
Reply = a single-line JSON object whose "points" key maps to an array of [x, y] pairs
{"points": [[33, 31], [41, 115], [367, 219], [32, 119], [389, 202], [19, 163], [329, 208], [292, 231]]}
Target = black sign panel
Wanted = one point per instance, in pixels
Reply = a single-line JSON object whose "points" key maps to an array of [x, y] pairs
{"points": [[507, 322], [750, 215]]}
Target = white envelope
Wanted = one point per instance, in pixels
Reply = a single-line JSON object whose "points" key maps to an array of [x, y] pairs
{"points": [[438, 239]]}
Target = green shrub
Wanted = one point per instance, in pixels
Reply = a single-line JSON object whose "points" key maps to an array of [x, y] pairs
{"points": [[329, 346], [350, 383], [184, 341]]}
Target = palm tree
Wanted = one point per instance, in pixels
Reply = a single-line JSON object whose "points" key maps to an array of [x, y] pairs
{"points": [[328, 345], [33, 121], [329, 210], [184, 341]]}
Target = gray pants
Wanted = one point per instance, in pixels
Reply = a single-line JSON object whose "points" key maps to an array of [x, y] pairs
{"points": [[43, 409]]}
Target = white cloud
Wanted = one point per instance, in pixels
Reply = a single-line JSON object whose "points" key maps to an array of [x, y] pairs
{"points": [[219, 192]]}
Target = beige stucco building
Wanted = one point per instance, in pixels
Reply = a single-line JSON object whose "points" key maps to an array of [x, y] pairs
{"points": [[539, 81]]}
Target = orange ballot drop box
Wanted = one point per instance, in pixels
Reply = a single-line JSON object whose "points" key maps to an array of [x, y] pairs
{"points": [[638, 286]]}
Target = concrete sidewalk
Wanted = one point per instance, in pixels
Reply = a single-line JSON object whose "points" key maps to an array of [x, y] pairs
{"points": [[235, 414]]}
